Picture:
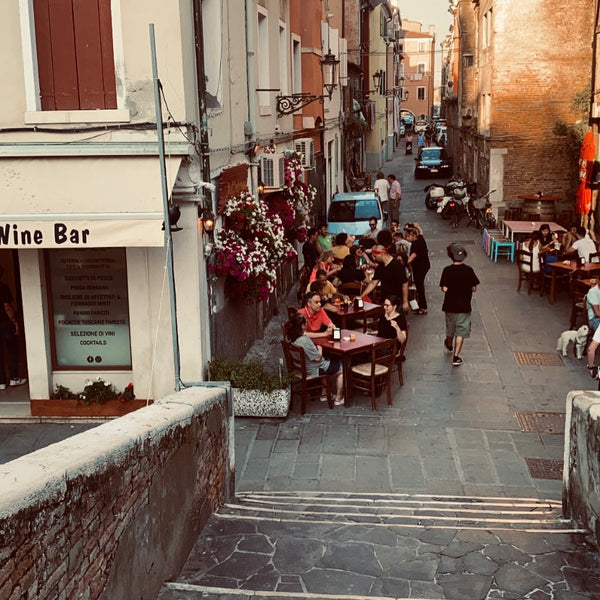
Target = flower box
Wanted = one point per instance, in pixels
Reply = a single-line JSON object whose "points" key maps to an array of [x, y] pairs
{"points": [[78, 408], [254, 403]]}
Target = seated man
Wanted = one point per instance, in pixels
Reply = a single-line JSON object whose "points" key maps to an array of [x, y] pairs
{"points": [[592, 304], [318, 322], [373, 229], [328, 290], [584, 245]]}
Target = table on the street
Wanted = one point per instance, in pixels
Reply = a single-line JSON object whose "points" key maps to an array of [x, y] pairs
{"points": [[345, 315], [526, 228], [346, 349], [571, 267]]}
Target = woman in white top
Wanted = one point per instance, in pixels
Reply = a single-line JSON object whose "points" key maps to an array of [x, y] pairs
{"points": [[533, 245]]}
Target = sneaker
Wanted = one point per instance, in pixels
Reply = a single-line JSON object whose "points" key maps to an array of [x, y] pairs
{"points": [[18, 381], [2, 386], [456, 361], [449, 348]]}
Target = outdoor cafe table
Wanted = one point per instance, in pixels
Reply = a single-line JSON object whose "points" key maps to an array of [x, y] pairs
{"points": [[571, 267], [526, 228], [343, 316], [346, 349]]}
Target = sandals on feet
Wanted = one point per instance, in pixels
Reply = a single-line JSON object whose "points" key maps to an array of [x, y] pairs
{"points": [[593, 371], [421, 311], [338, 401]]}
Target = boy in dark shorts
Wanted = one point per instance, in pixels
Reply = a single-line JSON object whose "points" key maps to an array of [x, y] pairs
{"points": [[458, 282]]}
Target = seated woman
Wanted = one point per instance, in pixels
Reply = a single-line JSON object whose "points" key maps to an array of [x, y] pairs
{"points": [[315, 363], [392, 324], [546, 238], [326, 262], [533, 245], [341, 247]]}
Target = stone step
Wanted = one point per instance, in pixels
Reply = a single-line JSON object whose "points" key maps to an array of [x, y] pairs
{"points": [[401, 510], [305, 545]]}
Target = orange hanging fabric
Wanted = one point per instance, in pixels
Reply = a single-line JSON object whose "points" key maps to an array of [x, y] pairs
{"points": [[583, 199]]}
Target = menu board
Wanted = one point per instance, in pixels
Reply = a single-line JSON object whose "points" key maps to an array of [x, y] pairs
{"points": [[90, 309]]}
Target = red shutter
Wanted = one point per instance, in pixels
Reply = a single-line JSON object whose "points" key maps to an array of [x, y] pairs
{"points": [[75, 55]]}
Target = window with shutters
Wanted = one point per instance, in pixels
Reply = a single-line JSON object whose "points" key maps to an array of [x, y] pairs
{"points": [[73, 62], [75, 54]]}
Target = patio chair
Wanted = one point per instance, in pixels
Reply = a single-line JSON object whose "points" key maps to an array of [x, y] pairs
{"points": [[374, 376], [310, 388], [526, 273], [350, 289], [578, 290]]}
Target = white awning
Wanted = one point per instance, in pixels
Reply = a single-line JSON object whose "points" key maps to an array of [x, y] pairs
{"points": [[86, 202]]}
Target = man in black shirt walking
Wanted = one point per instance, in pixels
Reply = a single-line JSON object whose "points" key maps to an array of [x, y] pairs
{"points": [[458, 282]]}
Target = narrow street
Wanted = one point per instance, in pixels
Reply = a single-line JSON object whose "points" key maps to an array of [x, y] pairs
{"points": [[320, 495]]}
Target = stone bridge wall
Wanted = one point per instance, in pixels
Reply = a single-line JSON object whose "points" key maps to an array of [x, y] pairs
{"points": [[114, 511], [581, 474]]}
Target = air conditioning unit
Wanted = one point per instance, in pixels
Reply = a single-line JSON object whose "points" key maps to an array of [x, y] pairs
{"points": [[272, 170], [304, 147]]}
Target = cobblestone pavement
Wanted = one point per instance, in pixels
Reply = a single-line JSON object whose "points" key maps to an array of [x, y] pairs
{"points": [[451, 433]]}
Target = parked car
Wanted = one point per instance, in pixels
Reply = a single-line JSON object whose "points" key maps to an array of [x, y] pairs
{"points": [[420, 126], [349, 212], [433, 162]]}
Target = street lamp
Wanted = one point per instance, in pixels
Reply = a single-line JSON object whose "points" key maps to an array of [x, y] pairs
{"points": [[288, 104]]}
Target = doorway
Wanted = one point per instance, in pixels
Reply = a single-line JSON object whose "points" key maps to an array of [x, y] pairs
{"points": [[10, 275]]}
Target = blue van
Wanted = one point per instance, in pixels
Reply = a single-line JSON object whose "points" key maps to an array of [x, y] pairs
{"points": [[349, 212]]}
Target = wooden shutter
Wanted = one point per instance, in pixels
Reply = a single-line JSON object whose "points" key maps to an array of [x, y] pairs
{"points": [[75, 54]]}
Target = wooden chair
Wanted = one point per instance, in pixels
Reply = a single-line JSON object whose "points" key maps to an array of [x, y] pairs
{"points": [[350, 289], [578, 290], [310, 387], [400, 356], [525, 266], [374, 376]]}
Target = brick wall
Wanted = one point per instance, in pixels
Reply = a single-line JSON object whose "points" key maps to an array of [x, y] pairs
{"points": [[540, 58], [113, 512]]}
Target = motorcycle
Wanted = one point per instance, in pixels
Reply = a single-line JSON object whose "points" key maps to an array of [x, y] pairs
{"points": [[452, 205], [408, 147]]}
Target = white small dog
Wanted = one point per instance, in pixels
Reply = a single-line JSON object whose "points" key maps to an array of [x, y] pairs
{"points": [[579, 339]]}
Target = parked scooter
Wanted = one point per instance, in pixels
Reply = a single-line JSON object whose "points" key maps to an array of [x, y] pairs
{"points": [[408, 147], [434, 192]]}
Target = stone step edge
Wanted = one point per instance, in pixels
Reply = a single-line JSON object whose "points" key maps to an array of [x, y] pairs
{"points": [[300, 504], [391, 525], [500, 517], [189, 587], [437, 498]]}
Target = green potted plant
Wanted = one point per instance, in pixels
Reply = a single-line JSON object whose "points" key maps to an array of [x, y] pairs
{"points": [[256, 393]]}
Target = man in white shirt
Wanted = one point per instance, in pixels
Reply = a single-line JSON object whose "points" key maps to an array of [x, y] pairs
{"points": [[382, 189], [373, 229], [584, 245]]}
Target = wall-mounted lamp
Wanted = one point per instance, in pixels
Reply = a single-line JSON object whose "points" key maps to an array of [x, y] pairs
{"points": [[174, 215], [286, 105], [260, 188], [377, 80], [208, 220]]}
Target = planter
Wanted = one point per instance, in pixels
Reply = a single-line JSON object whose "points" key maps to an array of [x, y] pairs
{"points": [[77, 408], [253, 403]]}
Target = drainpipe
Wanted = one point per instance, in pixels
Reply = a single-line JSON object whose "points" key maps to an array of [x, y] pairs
{"points": [[202, 148], [250, 124]]}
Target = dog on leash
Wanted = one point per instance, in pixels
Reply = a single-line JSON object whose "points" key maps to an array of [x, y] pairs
{"points": [[579, 339]]}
